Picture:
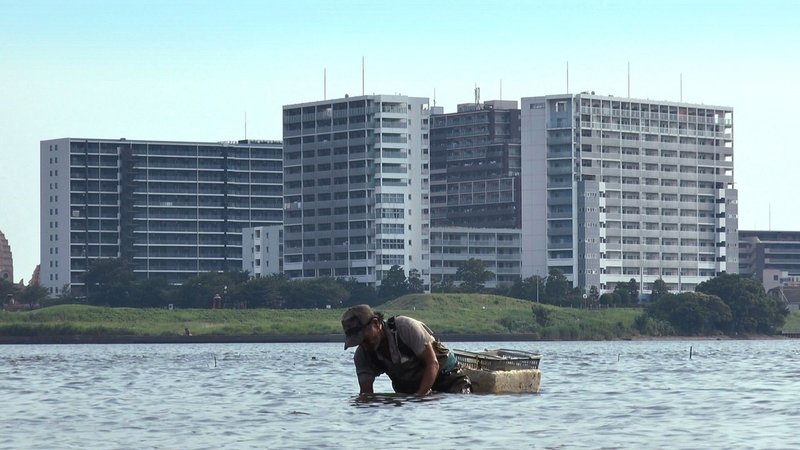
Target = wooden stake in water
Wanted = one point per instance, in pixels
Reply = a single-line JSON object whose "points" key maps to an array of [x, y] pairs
{"points": [[690, 352]]}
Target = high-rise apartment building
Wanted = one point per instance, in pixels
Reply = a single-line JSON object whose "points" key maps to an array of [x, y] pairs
{"points": [[6, 260], [356, 187], [172, 210], [615, 189], [475, 166]]}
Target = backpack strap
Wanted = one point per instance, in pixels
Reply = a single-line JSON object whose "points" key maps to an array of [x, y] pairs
{"points": [[404, 349]]}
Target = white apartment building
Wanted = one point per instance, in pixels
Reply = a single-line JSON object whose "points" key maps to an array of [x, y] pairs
{"points": [[172, 210], [356, 180], [618, 188], [262, 251]]}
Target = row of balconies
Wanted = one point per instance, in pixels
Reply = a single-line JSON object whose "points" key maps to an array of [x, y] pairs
{"points": [[690, 118], [657, 130]]}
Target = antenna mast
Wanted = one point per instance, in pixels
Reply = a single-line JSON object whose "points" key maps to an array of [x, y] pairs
{"points": [[629, 79], [325, 83], [362, 75], [245, 125], [681, 86], [567, 77]]}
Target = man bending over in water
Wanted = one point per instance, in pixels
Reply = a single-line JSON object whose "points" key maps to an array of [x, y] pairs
{"points": [[404, 349]]}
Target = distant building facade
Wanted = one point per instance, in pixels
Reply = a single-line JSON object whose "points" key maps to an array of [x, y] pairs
{"points": [[615, 189], [771, 257], [262, 251], [172, 210], [498, 248], [475, 166], [6, 260], [356, 179]]}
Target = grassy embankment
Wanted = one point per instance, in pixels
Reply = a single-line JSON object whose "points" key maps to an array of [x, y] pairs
{"points": [[444, 313], [792, 322]]}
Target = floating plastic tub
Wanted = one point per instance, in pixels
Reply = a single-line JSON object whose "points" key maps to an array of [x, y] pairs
{"points": [[501, 371]]}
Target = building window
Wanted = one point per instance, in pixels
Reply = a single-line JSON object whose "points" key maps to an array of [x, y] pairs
{"points": [[561, 106]]}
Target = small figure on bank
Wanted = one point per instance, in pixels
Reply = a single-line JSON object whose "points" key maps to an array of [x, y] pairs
{"points": [[187, 332], [404, 349]]}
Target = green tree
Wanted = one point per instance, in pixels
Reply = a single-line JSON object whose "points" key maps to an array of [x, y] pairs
{"points": [[263, 292], [314, 293], [33, 295], [659, 290], [8, 290], [359, 293], [473, 275], [594, 297], [531, 288], [152, 293], [751, 308], [66, 296], [444, 285], [393, 284], [109, 282], [633, 292], [692, 313], [557, 287], [415, 283], [610, 299], [628, 293], [199, 291]]}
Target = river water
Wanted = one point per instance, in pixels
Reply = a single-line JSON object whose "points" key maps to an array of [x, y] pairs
{"points": [[616, 394]]}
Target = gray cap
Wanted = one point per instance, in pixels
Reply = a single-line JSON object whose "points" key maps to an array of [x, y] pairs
{"points": [[354, 320]]}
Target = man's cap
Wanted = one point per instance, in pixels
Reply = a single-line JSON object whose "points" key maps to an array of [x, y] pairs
{"points": [[354, 320]]}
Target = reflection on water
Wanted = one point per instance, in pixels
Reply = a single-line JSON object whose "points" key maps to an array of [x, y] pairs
{"points": [[380, 400], [630, 394]]}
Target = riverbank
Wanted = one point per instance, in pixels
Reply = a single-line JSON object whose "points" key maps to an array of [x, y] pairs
{"points": [[454, 317], [212, 339], [329, 338]]}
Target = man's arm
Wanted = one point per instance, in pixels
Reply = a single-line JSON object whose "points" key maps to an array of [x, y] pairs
{"points": [[366, 387], [428, 357]]}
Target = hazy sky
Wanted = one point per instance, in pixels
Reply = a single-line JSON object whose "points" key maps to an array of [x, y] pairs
{"points": [[181, 70]]}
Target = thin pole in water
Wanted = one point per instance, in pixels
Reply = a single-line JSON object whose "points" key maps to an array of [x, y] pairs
{"points": [[690, 352]]}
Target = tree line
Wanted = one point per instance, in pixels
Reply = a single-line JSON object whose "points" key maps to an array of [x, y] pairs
{"points": [[725, 304]]}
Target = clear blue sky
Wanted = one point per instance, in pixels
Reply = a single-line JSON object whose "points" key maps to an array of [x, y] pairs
{"points": [[190, 70]]}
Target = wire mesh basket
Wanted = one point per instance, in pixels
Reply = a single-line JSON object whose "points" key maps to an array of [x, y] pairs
{"points": [[500, 359]]}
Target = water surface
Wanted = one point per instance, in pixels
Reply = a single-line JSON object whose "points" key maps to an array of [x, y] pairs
{"points": [[620, 394]]}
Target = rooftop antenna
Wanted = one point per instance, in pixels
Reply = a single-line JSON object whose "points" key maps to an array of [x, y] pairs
{"points": [[434, 96], [362, 75], [325, 83], [245, 125], [681, 87], [769, 223], [629, 79], [567, 77], [477, 94]]}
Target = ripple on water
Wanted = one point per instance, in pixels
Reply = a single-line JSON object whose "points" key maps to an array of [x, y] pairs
{"points": [[594, 395]]}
